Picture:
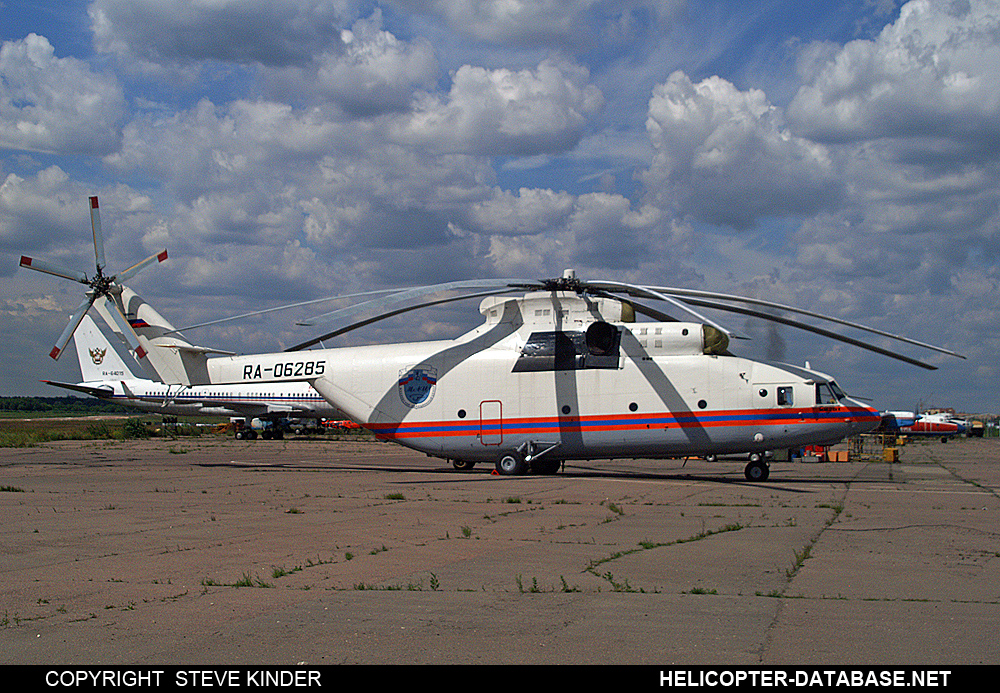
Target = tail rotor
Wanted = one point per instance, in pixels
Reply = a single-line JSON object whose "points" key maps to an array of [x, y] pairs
{"points": [[107, 288]]}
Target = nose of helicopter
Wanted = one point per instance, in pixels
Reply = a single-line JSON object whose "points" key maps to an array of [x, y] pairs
{"points": [[863, 418]]}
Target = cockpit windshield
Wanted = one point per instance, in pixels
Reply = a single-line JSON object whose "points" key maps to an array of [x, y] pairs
{"points": [[828, 393]]}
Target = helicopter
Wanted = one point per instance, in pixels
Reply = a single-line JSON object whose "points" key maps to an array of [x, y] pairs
{"points": [[563, 371]]}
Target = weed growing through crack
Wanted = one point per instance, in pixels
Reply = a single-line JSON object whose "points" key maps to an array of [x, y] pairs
{"points": [[246, 580]]}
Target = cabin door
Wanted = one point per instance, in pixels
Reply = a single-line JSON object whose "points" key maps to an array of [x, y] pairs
{"points": [[491, 422]]}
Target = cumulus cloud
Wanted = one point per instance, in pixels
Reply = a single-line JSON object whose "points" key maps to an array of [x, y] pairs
{"points": [[724, 155], [270, 32], [529, 212], [232, 146], [505, 112], [571, 24], [541, 232], [913, 116], [934, 72], [371, 72], [56, 105], [34, 212]]}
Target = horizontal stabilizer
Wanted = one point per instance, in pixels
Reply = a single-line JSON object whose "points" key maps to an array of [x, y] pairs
{"points": [[102, 392], [191, 349]]}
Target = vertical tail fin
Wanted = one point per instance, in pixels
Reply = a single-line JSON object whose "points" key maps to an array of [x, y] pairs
{"points": [[170, 358], [98, 359]]}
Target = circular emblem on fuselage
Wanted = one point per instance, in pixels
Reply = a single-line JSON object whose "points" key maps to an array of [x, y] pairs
{"points": [[416, 386]]}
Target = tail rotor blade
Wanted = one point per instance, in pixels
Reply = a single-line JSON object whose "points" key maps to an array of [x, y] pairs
{"points": [[95, 224], [136, 268], [74, 321], [56, 270], [124, 327]]}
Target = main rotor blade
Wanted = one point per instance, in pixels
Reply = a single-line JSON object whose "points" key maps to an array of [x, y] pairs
{"points": [[139, 266], [652, 292], [769, 304], [75, 318], [95, 225], [399, 311], [272, 310], [811, 328], [56, 270], [419, 291]]}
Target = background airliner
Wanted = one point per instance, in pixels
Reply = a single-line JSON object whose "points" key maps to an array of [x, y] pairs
{"points": [[107, 376]]}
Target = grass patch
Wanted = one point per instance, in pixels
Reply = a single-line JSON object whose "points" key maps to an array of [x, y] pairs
{"points": [[246, 580]]}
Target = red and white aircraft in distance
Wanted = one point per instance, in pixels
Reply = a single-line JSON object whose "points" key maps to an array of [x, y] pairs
{"points": [[925, 425], [564, 371]]}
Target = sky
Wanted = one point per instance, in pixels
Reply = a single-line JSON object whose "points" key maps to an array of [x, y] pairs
{"points": [[841, 157]]}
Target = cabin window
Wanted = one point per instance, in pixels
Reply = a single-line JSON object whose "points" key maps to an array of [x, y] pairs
{"points": [[785, 398], [597, 347]]}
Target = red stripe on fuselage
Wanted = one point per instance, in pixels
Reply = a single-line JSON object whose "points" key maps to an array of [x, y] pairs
{"points": [[627, 422]]}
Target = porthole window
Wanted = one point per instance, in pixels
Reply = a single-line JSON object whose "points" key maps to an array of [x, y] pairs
{"points": [[702, 404], [566, 409], [461, 413], [762, 392], [633, 407]]}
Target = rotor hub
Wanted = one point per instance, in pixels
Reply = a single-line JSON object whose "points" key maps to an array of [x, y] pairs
{"points": [[102, 284]]}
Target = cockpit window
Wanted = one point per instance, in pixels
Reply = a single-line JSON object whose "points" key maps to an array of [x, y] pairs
{"points": [[828, 393]]}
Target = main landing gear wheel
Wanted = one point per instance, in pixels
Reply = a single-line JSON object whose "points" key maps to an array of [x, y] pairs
{"points": [[546, 466], [462, 465], [511, 464], [757, 470]]}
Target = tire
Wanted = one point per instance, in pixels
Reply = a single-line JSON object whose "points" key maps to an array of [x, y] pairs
{"points": [[462, 465], [511, 464], [546, 466], [757, 470]]}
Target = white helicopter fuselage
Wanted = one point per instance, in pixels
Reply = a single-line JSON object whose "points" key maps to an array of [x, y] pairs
{"points": [[506, 386]]}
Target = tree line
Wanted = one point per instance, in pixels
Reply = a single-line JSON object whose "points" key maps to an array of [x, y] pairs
{"points": [[58, 405]]}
